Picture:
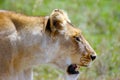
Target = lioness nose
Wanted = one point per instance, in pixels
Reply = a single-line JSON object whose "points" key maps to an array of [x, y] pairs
{"points": [[93, 57]]}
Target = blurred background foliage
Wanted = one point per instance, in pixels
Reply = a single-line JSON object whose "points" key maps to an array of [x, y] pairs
{"points": [[100, 22]]}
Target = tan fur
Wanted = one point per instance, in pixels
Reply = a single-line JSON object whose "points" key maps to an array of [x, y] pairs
{"points": [[26, 41]]}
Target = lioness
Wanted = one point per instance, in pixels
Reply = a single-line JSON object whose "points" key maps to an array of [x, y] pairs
{"points": [[26, 41]]}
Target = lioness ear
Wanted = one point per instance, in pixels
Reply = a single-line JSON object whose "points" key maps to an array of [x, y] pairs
{"points": [[58, 20]]}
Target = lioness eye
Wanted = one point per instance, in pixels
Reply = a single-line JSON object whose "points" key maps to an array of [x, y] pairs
{"points": [[77, 39]]}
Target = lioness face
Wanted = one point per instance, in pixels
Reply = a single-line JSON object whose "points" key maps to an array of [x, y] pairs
{"points": [[73, 45]]}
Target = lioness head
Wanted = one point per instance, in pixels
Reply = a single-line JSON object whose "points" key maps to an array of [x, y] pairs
{"points": [[74, 49]]}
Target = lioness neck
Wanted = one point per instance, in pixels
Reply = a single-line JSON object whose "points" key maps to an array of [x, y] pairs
{"points": [[30, 43], [34, 45]]}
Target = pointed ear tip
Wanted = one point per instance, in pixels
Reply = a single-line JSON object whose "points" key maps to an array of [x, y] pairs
{"points": [[60, 11], [56, 10]]}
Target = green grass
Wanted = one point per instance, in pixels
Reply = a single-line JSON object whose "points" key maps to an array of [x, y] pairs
{"points": [[99, 21]]}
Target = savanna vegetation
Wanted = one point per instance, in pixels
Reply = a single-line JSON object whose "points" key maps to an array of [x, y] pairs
{"points": [[99, 21]]}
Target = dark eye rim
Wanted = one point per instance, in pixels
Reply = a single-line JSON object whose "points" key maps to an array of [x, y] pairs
{"points": [[77, 38]]}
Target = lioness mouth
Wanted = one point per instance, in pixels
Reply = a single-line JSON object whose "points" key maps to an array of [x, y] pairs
{"points": [[73, 69]]}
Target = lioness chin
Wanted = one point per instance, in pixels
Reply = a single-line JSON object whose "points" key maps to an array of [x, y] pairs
{"points": [[26, 41]]}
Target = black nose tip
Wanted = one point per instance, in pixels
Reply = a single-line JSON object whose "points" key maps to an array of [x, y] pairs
{"points": [[92, 57]]}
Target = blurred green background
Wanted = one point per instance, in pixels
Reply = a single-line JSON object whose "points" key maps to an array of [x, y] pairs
{"points": [[99, 21]]}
